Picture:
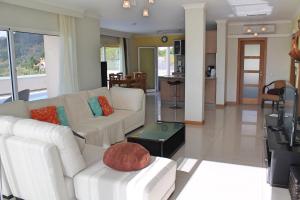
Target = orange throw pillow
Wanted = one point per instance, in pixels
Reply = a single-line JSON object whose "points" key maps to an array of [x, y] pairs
{"points": [[45, 114], [106, 107], [127, 157]]}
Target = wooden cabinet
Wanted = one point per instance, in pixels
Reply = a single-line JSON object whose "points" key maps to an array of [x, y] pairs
{"points": [[210, 91], [211, 42]]}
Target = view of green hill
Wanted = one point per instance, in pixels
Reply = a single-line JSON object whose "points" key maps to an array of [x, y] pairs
{"points": [[29, 51]]}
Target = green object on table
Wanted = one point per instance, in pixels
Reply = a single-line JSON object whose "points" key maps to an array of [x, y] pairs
{"points": [[159, 131]]}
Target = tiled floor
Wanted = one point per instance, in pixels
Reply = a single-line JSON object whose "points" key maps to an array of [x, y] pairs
{"points": [[222, 159]]}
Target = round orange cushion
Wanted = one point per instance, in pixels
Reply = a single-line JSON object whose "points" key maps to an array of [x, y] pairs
{"points": [[127, 157]]}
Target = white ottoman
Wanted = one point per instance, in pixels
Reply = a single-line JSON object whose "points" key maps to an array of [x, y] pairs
{"points": [[99, 182]]}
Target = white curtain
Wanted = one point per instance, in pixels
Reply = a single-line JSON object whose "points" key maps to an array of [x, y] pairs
{"points": [[68, 61], [122, 56]]}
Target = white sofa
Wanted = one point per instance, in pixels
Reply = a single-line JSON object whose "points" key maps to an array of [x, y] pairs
{"points": [[129, 113], [44, 161]]}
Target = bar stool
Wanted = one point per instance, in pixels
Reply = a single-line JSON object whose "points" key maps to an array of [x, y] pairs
{"points": [[175, 84]]}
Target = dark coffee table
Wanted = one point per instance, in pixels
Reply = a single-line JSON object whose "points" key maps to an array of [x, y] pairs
{"points": [[160, 138]]}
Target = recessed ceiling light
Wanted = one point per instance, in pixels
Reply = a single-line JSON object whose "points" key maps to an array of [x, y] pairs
{"points": [[249, 30], [146, 12], [255, 34], [263, 29]]}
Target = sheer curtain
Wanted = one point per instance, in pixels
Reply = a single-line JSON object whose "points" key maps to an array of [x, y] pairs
{"points": [[68, 61]]}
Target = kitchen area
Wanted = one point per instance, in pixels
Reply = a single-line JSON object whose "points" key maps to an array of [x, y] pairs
{"points": [[172, 86]]}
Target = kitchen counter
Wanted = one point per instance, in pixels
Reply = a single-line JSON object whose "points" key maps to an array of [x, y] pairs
{"points": [[173, 77], [167, 91], [210, 90]]}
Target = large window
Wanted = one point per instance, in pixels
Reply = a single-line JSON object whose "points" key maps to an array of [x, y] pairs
{"points": [[22, 66], [165, 61], [112, 55]]}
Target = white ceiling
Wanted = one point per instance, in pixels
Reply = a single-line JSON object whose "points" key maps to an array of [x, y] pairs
{"points": [[169, 14]]}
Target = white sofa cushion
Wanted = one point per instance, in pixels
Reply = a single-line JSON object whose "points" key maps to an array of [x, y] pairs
{"points": [[5, 187], [33, 158], [57, 101], [60, 136], [130, 119], [101, 92], [77, 107], [7, 166], [16, 109], [99, 182], [101, 131], [7, 123], [127, 98]]}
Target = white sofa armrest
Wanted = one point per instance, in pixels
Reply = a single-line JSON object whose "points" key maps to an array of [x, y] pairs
{"points": [[92, 154], [127, 98]]}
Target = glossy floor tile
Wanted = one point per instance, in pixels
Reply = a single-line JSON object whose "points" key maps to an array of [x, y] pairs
{"points": [[224, 159]]}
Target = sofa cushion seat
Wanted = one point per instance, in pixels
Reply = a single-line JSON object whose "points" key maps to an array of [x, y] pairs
{"points": [[99, 182], [102, 131], [130, 119]]}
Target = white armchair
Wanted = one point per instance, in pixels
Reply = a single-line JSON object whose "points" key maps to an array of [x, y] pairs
{"points": [[44, 161]]}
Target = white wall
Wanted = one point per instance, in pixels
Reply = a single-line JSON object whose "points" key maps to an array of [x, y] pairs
{"points": [[27, 19], [278, 60], [88, 52]]}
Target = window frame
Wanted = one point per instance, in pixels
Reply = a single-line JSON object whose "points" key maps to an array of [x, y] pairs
{"points": [[104, 56], [12, 54]]}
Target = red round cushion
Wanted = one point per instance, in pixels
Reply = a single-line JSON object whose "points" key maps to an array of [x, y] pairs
{"points": [[127, 157]]}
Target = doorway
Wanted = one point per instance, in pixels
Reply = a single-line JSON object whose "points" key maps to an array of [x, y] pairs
{"points": [[147, 64], [251, 70]]}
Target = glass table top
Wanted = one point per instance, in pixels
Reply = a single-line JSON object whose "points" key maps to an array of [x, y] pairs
{"points": [[158, 131]]}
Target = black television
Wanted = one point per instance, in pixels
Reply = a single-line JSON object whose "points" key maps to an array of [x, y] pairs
{"points": [[290, 113]]}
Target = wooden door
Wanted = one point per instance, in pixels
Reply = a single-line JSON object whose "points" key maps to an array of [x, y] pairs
{"points": [[251, 67]]}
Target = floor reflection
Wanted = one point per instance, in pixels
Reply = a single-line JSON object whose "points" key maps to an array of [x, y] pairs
{"points": [[225, 155]]}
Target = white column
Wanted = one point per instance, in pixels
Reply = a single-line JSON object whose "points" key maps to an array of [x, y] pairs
{"points": [[221, 61], [195, 28]]}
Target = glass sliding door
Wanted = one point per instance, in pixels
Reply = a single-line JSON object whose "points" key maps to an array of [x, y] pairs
{"points": [[23, 69], [165, 61], [30, 65], [6, 86]]}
